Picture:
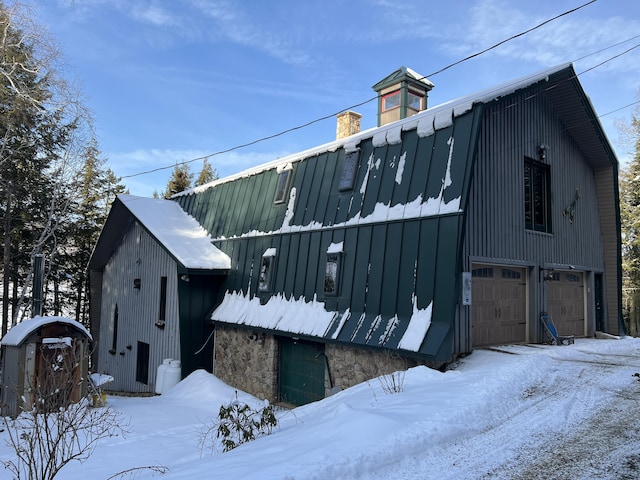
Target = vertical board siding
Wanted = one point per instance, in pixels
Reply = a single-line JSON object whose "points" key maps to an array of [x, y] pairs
{"points": [[495, 217], [138, 256], [607, 192]]}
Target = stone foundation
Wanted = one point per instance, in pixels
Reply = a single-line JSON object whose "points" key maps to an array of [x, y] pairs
{"points": [[350, 366], [248, 360]]}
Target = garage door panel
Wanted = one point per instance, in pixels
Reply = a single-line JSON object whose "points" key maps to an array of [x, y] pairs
{"points": [[498, 305], [566, 302]]}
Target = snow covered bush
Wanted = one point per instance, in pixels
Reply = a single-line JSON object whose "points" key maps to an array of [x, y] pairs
{"points": [[238, 423]]}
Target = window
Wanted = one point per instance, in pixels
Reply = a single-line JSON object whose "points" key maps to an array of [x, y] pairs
{"points": [[391, 100], [349, 170], [572, 277], [484, 272], [266, 270], [508, 273], [332, 273], [142, 363], [537, 196], [114, 339], [414, 101], [282, 187], [162, 310]]}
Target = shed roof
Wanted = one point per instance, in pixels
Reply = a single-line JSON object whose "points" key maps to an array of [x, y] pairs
{"points": [[179, 233], [17, 334]]}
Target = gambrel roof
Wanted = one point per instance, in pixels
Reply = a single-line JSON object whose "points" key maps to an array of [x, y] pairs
{"points": [[402, 223]]}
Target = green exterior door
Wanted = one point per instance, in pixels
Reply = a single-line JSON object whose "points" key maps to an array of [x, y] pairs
{"points": [[302, 366]]}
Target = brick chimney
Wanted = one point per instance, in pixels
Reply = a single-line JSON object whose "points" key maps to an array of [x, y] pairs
{"points": [[348, 124]]}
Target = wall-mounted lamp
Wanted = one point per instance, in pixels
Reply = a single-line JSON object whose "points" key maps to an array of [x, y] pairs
{"points": [[136, 283], [542, 152], [545, 275], [184, 277]]}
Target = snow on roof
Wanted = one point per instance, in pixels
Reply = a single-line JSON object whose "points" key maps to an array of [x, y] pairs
{"points": [[177, 231], [426, 123], [279, 313], [299, 316], [412, 73], [18, 333]]}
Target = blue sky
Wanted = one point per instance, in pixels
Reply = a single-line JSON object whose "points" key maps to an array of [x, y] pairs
{"points": [[173, 80]]}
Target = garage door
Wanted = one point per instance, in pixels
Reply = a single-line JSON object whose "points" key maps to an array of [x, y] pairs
{"points": [[498, 305], [565, 293], [302, 366]]}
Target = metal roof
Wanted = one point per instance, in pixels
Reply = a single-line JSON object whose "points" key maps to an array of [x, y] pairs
{"points": [[402, 223], [176, 231]]}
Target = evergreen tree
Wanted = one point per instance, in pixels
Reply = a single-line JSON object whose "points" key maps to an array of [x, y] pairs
{"points": [[180, 180], [41, 123], [207, 174], [630, 225], [94, 190]]}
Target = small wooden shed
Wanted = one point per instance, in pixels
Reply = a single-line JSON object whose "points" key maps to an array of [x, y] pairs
{"points": [[44, 364]]}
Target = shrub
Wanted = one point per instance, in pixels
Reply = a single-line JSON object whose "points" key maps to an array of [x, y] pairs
{"points": [[238, 423]]}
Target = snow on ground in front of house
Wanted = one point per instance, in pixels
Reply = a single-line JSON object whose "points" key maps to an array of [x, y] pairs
{"points": [[498, 414]]}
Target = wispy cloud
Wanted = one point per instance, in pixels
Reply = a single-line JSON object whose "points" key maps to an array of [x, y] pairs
{"points": [[133, 162], [567, 39], [479, 25], [212, 21]]}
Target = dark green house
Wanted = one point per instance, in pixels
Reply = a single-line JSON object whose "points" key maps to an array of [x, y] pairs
{"points": [[414, 242]]}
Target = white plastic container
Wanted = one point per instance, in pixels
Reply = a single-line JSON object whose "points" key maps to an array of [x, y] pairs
{"points": [[162, 370], [172, 376]]}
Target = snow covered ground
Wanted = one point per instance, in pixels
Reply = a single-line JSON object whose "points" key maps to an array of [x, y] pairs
{"points": [[523, 412]]}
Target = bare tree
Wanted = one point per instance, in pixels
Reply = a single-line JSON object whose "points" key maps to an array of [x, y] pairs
{"points": [[58, 425], [44, 130]]}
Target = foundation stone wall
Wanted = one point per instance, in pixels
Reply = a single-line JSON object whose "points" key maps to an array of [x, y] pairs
{"points": [[351, 366], [247, 360]]}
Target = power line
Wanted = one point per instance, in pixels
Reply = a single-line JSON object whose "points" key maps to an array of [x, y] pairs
{"points": [[326, 117]]}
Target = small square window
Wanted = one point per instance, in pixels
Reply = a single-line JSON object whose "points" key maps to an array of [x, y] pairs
{"points": [[349, 169], [266, 270], [282, 187], [391, 100], [414, 101], [332, 274]]}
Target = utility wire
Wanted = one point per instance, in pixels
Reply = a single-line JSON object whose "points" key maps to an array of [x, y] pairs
{"points": [[326, 117]]}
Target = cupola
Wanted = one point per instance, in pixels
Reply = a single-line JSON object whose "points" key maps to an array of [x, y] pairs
{"points": [[401, 94]]}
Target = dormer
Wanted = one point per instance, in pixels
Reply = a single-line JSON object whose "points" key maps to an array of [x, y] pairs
{"points": [[401, 95]]}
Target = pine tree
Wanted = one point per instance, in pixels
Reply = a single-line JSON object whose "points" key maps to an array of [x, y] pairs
{"points": [[180, 180], [630, 226], [94, 191], [207, 174], [41, 125]]}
